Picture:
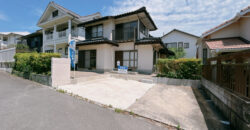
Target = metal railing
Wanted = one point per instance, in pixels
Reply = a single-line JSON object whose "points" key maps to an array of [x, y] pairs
{"points": [[49, 36], [62, 34]]}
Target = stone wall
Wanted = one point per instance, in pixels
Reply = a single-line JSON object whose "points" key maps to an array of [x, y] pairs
{"points": [[234, 107], [6, 66], [42, 79]]}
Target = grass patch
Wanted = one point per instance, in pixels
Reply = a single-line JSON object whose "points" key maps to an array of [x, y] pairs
{"points": [[60, 91], [131, 113], [119, 110], [178, 127]]}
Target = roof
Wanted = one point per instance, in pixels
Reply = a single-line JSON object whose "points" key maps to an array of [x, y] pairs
{"points": [[66, 10], [228, 22], [228, 43], [18, 33], [71, 13], [140, 10], [150, 40], [180, 32], [96, 41]]}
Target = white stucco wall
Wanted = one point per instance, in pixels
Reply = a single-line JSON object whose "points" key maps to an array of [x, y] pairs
{"points": [[108, 26], [176, 36], [145, 58], [58, 76], [104, 56]]}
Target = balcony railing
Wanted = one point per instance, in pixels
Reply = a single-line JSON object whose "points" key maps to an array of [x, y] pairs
{"points": [[62, 34], [49, 36]]}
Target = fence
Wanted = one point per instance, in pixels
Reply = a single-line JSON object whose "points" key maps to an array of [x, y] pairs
{"points": [[7, 55], [230, 72]]}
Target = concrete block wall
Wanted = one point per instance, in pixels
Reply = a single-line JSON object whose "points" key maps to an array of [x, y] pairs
{"points": [[234, 107]]}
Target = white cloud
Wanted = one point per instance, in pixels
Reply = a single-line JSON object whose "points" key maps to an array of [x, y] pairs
{"points": [[194, 16], [38, 12], [3, 17]]}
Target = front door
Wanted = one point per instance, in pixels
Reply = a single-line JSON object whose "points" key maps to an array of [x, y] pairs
{"points": [[118, 57]]}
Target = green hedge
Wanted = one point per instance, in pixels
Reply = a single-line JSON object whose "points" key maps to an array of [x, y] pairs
{"points": [[179, 68], [39, 63]]}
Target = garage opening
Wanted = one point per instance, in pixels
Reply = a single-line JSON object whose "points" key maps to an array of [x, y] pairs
{"points": [[87, 59]]}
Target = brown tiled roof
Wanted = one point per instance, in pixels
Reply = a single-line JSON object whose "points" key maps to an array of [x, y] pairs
{"points": [[226, 22], [150, 40], [96, 41], [140, 10], [228, 43]]}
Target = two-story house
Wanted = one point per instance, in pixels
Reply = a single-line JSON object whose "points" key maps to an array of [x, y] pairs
{"points": [[10, 38], [228, 37], [59, 26], [120, 40], [180, 39]]}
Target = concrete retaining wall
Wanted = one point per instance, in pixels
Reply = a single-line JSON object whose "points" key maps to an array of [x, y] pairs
{"points": [[159, 80], [234, 107], [7, 55]]}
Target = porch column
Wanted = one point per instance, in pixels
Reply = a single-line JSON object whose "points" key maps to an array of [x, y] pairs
{"points": [[44, 40], [54, 38], [69, 35], [69, 29]]}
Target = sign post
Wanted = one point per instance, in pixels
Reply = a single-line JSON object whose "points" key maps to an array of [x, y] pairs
{"points": [[72, 54]]}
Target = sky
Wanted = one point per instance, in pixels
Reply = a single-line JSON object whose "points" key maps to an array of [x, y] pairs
{"points": [[192, 16]]}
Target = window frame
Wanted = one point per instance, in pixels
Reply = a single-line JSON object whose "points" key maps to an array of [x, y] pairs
{"points": [[184, 45], [55, 13], [97, 31]]}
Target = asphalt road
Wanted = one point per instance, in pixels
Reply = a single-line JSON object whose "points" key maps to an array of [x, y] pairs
{"points": [[29, 106]]}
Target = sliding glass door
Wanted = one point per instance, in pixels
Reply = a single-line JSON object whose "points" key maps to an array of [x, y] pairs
{"points": [[87, 59]]}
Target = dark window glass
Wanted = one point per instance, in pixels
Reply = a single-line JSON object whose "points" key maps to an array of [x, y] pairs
{"points": [[180, 44], [94, 31], [126, 31], [204, 55], [186, 45], [55, 13]]}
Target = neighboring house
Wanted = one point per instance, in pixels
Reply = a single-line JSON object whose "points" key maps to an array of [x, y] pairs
{"points": [[180, 39], [230, 36], [59, 26], [34, 40], [123, 39], [8, 38]]}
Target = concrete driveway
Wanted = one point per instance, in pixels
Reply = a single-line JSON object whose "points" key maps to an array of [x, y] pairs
{"points": [[25, 105], [173, 105], [119, 93]]}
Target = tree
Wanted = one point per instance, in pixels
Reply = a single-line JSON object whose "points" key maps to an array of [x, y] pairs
{"points": [[179, 53]]}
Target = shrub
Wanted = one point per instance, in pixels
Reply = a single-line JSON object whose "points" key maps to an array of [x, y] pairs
{"points": [[179, 68], [39, 63], [179, 53]]}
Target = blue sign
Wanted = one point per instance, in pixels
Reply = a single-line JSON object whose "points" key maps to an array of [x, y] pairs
{"points": [[72, 57], [122, 69], [72, 52]]}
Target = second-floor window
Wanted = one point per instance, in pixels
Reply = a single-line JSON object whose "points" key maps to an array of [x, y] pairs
{"points": [[94, 31], [55, 13], [126, 31]]}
